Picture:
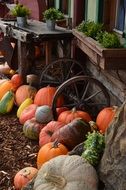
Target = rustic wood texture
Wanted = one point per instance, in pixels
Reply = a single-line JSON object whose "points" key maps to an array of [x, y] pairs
{"points": [[36, 32], [105, 58]]}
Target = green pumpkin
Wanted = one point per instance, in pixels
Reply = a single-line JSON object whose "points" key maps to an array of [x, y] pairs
{"points": [[32, 128], [44, 114]]}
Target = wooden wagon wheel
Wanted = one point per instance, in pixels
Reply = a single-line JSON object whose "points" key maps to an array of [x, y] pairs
{"points": [[84, 93], [55, 73]]}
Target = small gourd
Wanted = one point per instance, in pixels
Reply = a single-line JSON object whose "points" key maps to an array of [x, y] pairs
{"points": [[23, 176], [24, 104], [32, 128], [7, 102], [44, 114]]}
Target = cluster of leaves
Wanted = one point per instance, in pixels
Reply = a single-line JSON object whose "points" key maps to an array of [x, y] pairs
{"points": [[20, 11], [97, 32], [94, 146], [109, 40], [90, 28], [53, 14]]}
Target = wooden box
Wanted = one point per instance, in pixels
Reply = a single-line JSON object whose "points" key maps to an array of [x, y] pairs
{"points": [[105, 58]]}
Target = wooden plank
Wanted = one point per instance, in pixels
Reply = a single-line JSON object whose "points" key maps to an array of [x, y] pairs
{"points": [[106, 58]]}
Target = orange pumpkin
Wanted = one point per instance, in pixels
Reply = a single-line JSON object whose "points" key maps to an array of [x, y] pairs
{"points": [[47, 132], [28, 113], [69, 115], [104, 118], [17, 80], [60, 110], [6, 86], [23, 176], [45, 95], [50, 150], [23, 92]]}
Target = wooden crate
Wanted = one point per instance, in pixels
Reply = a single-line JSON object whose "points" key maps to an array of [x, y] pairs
{"points": [[105, 58]]}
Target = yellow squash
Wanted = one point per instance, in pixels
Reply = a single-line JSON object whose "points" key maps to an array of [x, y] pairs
{"points": [[24, 104]]}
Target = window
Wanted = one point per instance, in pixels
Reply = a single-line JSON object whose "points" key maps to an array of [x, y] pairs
{"points": [[94, 10], [64, 6], [120, 21]]}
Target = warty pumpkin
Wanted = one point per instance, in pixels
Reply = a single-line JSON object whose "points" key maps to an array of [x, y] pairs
{"points": [[32, 128], [44, 114], [49, 151], [72, 133], [47, 132], [23, 176], [23, 92], [67, 173], [45, 96], [105, 117], [69, 115]]}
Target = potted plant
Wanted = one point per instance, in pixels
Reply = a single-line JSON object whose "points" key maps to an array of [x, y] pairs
{"points": [[103, 48], [21, 12], [51, 15]]}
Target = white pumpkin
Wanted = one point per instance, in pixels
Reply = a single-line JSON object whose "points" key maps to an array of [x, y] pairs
{"points": [[66, 173], [44, 114]]}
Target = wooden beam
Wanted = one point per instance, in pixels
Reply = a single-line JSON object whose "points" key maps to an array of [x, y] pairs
{"points": [[78, 14]]}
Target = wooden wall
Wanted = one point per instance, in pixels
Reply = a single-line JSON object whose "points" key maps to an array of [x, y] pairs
{"points": [[114, 81]]}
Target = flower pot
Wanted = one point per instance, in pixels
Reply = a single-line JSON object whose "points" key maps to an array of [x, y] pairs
{"points": [[105, 58], [21, 21], [50, 24]]}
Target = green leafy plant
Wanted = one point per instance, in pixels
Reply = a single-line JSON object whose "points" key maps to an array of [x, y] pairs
{"points": [[20, 11], [53, 14], [109, 40], [90, 28], [97, 32], [93, 147]]}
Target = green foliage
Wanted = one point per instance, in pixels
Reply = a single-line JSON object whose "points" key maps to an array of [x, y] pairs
{"points": [[94, 146], [109, 40], [90, 28], [53, 14], [97, 32], [20, 11]]}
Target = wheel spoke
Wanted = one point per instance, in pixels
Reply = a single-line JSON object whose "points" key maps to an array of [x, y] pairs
{"points": [[77, 94], [85, 91], [93, 95]]}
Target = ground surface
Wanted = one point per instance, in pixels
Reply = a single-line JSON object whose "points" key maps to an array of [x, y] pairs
{"points": [[16, 151]]}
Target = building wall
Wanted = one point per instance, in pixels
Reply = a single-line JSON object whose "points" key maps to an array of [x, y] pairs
{"points": [[115, 84], [114, 81]]}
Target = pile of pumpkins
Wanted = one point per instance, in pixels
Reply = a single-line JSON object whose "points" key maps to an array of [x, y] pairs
{"points": [[55, 138]]}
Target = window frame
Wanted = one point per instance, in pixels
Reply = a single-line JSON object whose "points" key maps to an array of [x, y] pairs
{"points": [[99, 10]]}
